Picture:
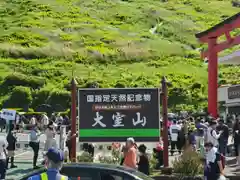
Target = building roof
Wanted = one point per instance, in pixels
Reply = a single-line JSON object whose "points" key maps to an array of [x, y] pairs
{"points": [[233, 58], [216, 27]]}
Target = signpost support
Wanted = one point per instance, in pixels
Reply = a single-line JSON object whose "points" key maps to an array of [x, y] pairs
{"points": [[73, 117], [165, 121], [212, 78]]}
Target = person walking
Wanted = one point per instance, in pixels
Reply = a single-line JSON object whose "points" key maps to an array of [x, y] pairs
{"points": [[223, 139], [50, 140], [174, 132], [11, 139], [44, 121], [212, 135], [143, 164], [130, 159], [69, 142], [3, 157], [53, 162], [34, 144], [236, 139], [214, 165]]}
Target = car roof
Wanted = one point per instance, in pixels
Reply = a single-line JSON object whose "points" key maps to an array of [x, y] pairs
{"points": [[88, 165], [100, 166]]}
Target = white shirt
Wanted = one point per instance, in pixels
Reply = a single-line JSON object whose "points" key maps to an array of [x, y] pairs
{"points": [[17, 119], [33, 121], [45, 120], [3, 145], [49, 134], [174, 129], [211, 155], [212, 136]]}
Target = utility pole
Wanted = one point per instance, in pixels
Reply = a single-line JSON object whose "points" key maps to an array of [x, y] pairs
{"points": [[165, 120]]}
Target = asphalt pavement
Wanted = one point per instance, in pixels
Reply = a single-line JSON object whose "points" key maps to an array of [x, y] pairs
{"points": [[23, 156]]}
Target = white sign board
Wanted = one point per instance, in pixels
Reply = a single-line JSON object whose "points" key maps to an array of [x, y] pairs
{"points": [[8, 114]]}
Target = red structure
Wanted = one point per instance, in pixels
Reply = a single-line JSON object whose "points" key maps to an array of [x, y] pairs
{"points": [[210, 37], [74, 118], [165, 120]]}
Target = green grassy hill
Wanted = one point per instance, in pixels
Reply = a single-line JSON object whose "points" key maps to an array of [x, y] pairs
{"points": [[115, 43]]}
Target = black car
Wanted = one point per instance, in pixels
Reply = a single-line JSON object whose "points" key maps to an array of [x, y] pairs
{"points": [[94, 171]]}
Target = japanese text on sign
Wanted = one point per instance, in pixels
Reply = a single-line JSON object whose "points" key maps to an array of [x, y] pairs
{"points": [[119, 98], [118, 120]]}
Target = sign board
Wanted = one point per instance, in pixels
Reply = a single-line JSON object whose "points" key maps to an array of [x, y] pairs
{"points": [[113, 115], [234, 92], [8, 114]]}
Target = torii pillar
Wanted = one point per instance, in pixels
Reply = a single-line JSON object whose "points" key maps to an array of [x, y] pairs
{"points": [[210, 37]]}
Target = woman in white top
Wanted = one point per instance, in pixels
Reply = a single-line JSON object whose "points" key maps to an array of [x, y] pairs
{"points": [[50, 141]]}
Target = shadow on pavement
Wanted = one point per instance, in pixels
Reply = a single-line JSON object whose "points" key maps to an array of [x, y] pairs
{"points": [[19, 171], [23, 162], [231, 161]]}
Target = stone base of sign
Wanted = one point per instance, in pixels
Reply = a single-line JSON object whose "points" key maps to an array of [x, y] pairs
{"points": [[175, 177]]}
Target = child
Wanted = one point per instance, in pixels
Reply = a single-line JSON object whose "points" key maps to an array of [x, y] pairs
{"points": [[143, 164]]}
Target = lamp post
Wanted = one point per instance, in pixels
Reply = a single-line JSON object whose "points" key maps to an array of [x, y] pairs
{"points": [[73, 117], [164, 93]]}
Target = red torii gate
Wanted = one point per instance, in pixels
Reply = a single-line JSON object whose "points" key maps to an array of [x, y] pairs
{"points": [[210, 37]]}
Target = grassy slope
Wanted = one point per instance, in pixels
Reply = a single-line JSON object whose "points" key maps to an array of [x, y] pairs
{"points": [[108, 41]]}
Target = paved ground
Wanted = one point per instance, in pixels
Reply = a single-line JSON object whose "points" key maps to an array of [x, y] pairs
{"points": [[231, 167], [24, 157]]}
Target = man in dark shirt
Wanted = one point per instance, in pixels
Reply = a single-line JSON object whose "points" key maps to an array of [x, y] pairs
{"points": [[11, 139], [223, 140]]}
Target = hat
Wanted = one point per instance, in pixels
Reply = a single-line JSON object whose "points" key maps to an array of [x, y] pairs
{"points": [[55, 155], [131, 140]]}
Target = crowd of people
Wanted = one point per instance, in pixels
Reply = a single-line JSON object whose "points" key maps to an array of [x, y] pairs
{"points": [[206, 135], [37, 126], [209, 136]]}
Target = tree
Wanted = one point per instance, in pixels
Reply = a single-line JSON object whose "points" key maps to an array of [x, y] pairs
{"points": [[20, 97], [178, 96]]}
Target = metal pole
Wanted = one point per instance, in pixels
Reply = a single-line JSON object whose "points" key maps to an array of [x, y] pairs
{"points": [[212, 78], [73, 117], [165, 121]]}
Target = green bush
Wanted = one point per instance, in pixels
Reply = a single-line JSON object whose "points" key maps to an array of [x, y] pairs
{"points": [[60, 97], [84, 157], [17, 79], [19, 98], [153, 162], [114, 158], [188, 164]]}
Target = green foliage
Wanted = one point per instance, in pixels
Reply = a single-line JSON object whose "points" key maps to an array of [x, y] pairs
{"points": [[153, 163], [188, 164], [17, 79], [84, 157], [20, 97], [115, 157], [112, 43]]}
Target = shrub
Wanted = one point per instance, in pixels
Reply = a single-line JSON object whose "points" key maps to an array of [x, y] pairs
{"points": [[85, 157], [59, 97], [18, 79], [114, 158], [20, 97], [153, 162], [188, 164]]}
